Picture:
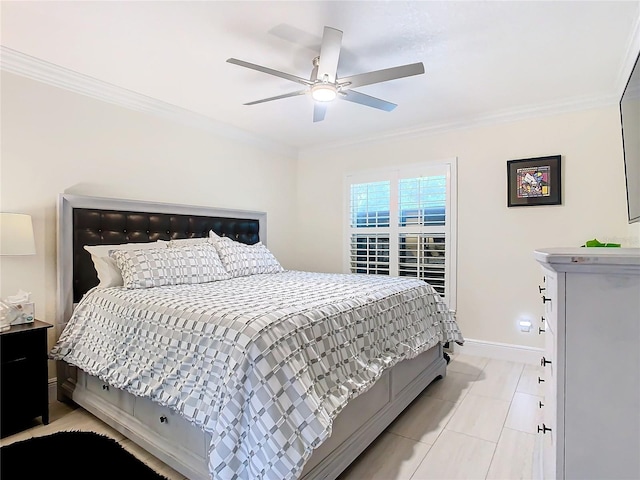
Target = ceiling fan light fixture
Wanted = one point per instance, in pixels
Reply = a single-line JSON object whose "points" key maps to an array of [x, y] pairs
{"points": [[324, 92]]}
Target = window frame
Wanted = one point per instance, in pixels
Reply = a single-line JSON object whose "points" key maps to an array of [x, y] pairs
{"points": [[394, 174]]}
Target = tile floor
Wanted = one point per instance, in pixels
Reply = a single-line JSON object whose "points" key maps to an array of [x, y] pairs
{"points": [[479, 422]]}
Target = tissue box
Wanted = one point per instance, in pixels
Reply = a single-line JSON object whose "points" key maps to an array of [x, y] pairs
{"points": [[27, 313]]}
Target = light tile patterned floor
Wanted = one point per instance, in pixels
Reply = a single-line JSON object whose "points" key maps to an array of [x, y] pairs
{"points": [[476, 423]]}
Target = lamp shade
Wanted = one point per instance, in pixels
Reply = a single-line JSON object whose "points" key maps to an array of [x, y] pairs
{"points": [[16, 234]]}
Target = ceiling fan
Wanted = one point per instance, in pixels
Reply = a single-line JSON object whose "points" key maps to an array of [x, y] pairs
{"points": [[324, 85]]}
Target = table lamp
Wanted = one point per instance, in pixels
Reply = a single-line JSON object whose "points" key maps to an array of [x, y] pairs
{"points": [[16, 234], [16, 238]]}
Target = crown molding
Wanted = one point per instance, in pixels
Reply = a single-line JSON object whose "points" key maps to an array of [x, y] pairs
{"points": [[629, 59], [19, 63], [506, 116], [512, 115]]}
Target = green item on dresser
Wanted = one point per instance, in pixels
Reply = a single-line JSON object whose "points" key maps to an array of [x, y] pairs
{"points": [[596, 243]]}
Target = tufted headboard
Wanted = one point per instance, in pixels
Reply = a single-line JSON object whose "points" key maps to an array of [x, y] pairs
{"points": [[84, 220], [111, 227]]}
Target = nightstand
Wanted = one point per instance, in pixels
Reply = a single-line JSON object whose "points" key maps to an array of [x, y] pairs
{"points": [[24, 379]]}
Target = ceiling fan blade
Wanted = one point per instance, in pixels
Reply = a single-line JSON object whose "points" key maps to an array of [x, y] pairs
{"points": [[319, 109], [270, 71], [362, 99], [384, 75], [286, 95], [329, 54]]}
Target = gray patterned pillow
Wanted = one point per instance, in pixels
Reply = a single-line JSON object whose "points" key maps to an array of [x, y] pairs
{"points": [[241, 260], [170, 266], [183, 242]]}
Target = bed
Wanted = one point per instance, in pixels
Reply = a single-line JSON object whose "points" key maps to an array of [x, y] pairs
{"points": [[262, 373]]}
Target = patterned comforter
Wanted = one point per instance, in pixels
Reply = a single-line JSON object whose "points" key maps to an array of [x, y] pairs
{"points": [[264, 362]]}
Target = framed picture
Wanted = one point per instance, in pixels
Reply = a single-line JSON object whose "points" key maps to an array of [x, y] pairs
{"points": [[534, 181]]}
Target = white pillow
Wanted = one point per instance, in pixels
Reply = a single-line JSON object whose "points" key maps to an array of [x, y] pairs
{"points": [[241, 260], [182, 242], [108, 271], [214, 237], [170, 266]]}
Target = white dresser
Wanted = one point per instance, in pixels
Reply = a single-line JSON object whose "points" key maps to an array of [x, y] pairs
{"points": [[591, 406]]}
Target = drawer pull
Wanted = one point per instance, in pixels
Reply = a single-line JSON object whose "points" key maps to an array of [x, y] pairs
{"points": [[163, 419], [540, 380], [545, 299], [544, 361], [544, 429], [542, 319], [540, 404], [541, 289], [541, 330], [105, 387]]}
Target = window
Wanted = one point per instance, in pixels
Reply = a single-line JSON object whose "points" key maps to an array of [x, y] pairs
{"points": [[401, 224]]}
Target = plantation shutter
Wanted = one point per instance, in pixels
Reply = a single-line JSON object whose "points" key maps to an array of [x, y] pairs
{"points": [[400, 224], [370, 209], [422, 236]]}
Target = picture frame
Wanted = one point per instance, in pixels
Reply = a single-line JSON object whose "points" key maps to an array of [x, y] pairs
{"points": [[534, 181]]}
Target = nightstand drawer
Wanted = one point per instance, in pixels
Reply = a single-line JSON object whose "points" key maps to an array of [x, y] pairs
{"points": [[20, 347], [22, 393]]}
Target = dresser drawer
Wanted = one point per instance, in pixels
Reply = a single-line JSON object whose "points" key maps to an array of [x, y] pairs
{"points": [[550, 381], [550, 406], [170, 424], [550, 299], [549, 368], [114, 396], [549, 459]]}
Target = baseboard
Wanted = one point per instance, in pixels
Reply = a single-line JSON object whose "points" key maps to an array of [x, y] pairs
{"points": [[500, 351]]}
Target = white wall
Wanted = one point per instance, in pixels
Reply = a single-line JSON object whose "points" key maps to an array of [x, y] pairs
{"points": [[55, 141], [497, 276]]}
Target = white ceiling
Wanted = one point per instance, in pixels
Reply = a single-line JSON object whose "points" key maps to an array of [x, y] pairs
{"points": [[484, 60]]}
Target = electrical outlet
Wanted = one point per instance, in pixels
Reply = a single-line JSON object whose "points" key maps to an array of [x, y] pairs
{"points": [[525, 325]]}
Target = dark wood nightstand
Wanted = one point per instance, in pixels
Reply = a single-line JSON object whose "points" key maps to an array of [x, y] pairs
{"points": [[24, 379]]}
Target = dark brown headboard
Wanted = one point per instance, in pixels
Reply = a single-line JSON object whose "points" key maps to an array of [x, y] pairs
{"points": [[114, 227], [84, 220]]}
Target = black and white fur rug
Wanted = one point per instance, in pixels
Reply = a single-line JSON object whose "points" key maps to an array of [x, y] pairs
{"points": [[72, 455]]}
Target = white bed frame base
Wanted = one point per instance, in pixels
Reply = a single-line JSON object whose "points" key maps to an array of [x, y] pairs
{"points": [[328, 461], [359, 424]]}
